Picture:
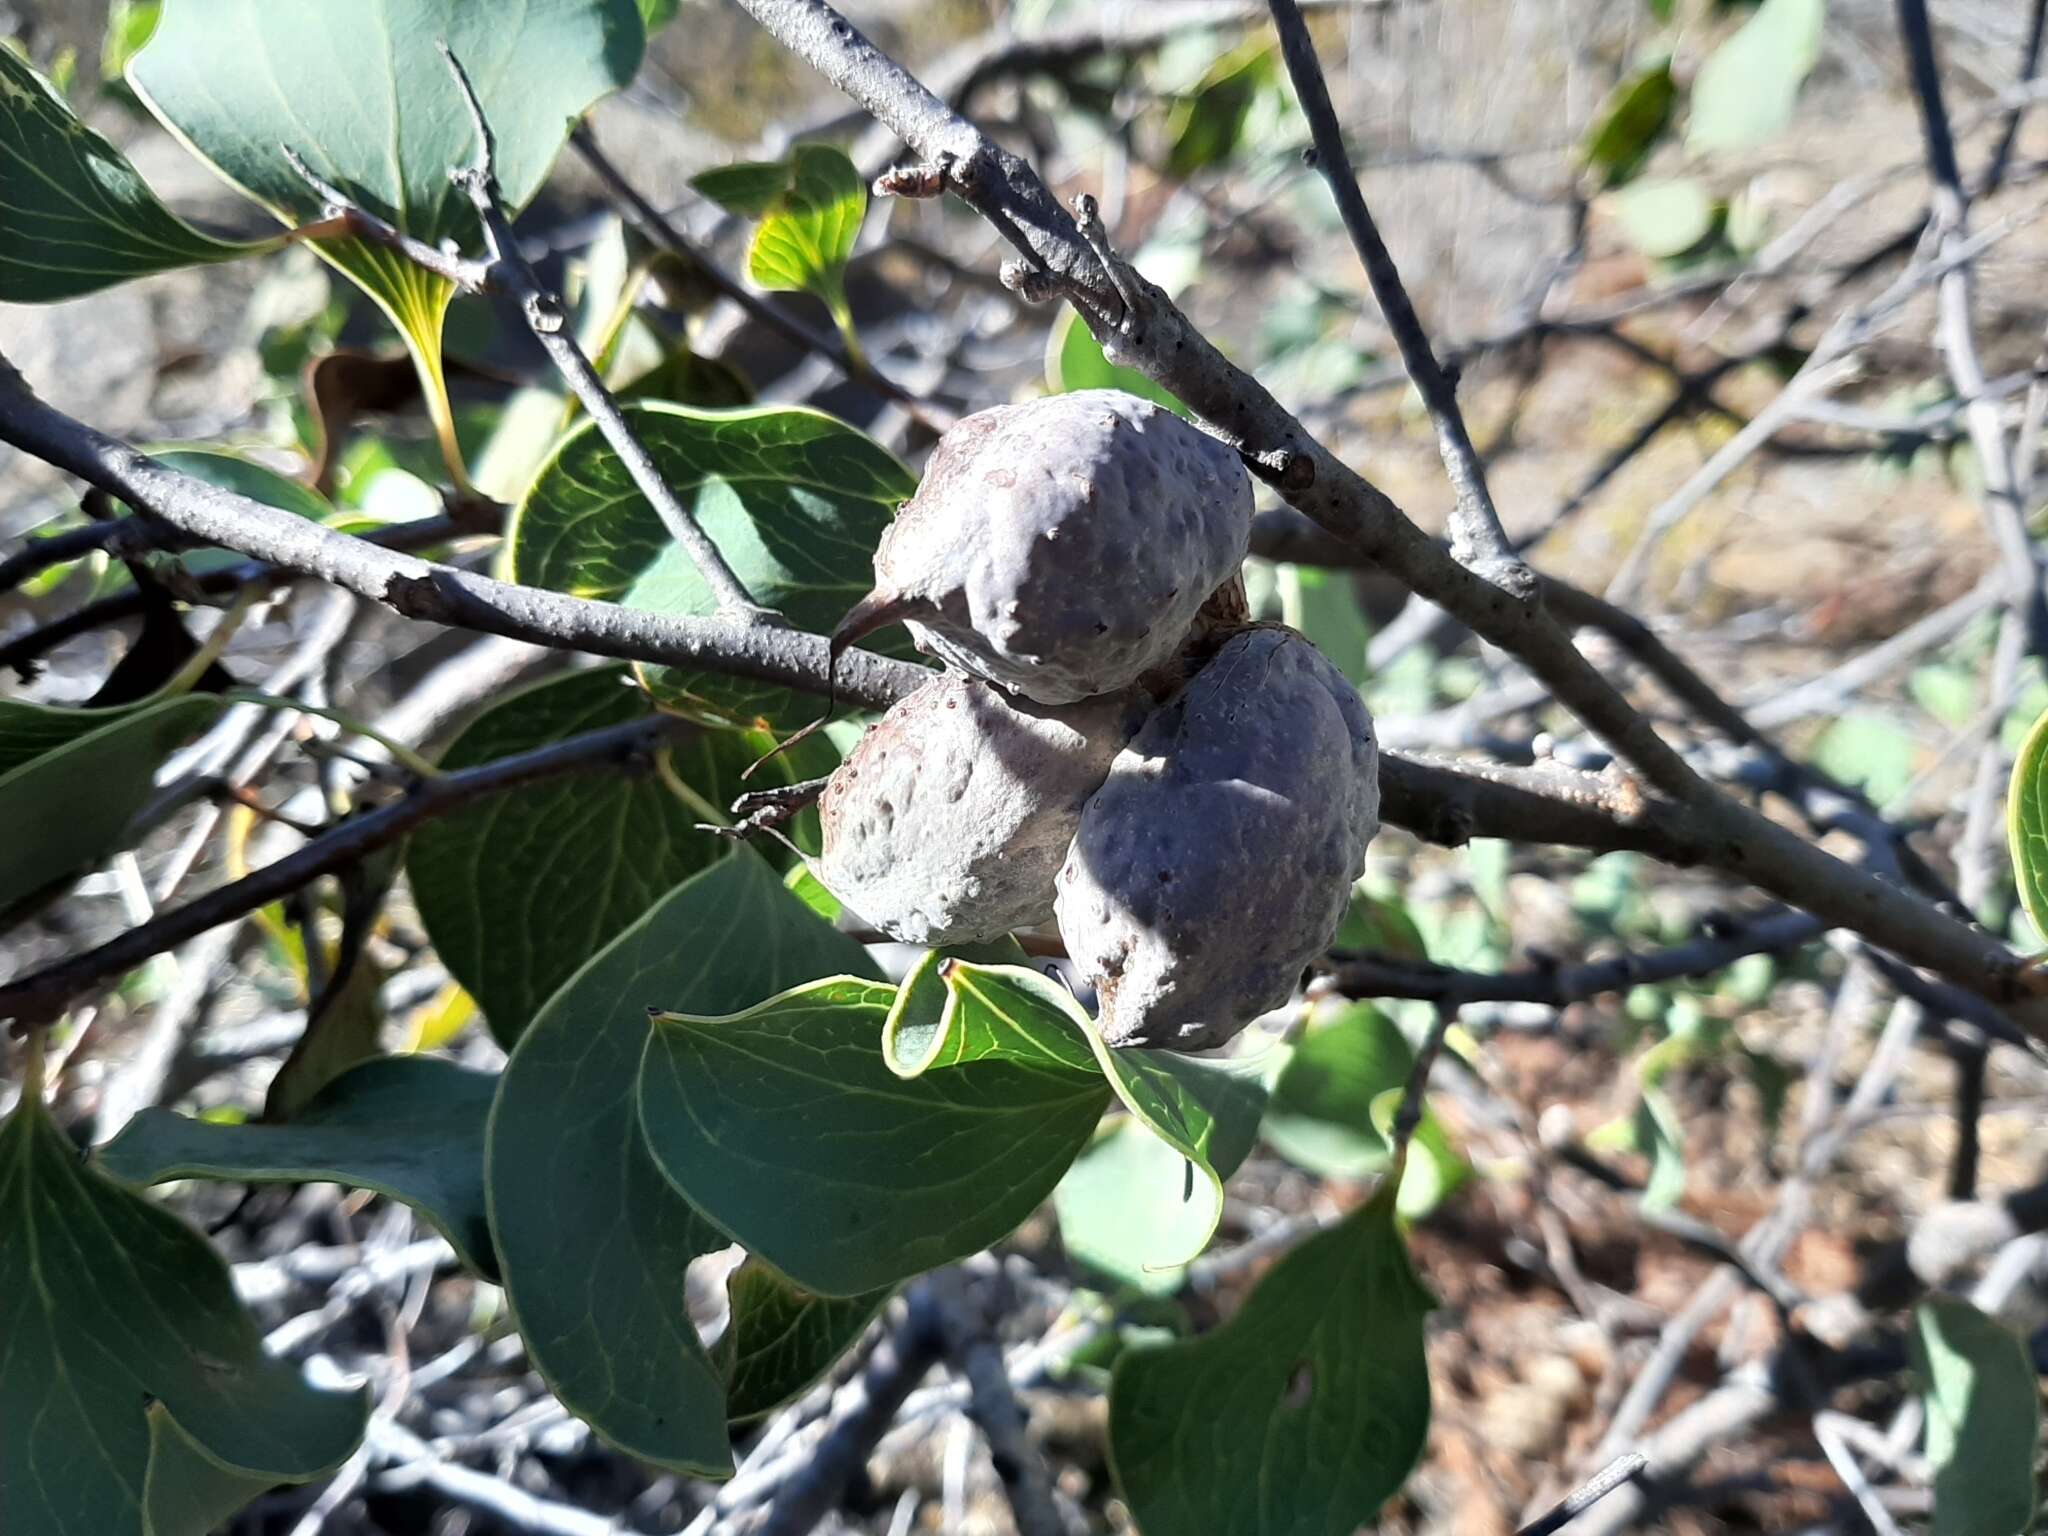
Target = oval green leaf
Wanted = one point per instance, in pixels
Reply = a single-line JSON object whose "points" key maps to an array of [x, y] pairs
{"points": [[794, 499], [76, 216], [408, 1127], [1300, 1416], [891, 1177], [488, 880], [782, 1337], [1983, 1419], [1632, 122], [78, 778], [809, 208], [136, 1392], [1745, 92], [1204, 1112], [593, 1241]]}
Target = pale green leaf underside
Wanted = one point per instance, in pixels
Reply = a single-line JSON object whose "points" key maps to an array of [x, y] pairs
{"points": [[1298, 1417], [75, 216], [359, 90], [794, 499], [1983, 1419], [592, 1239], [1745, 92], [409, 1127], [108, 1304]]}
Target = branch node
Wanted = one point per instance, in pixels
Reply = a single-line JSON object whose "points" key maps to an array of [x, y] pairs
{"points": [[1033, 285]]}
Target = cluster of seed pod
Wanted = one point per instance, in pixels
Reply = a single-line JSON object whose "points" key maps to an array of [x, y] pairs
{"points": [[1112, 744]]}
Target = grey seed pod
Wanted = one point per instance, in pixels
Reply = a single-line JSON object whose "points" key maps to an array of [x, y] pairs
{"points": [[948, 822], [1061, 547], [1218, 857]]}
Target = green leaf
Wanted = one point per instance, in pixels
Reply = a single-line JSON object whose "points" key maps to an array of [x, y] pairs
{"points": [[1630, 125], [1206, 1113], [795, 500], [1870, 751], [1382, 925], [810, 208], [185, 1492], [1120, 1207], [359, 90], [1324, 606], [1744, 94], [2026, 823], [112, 1305], [1320, 1113], [1665, 219], [1206, 126], [1074, 360], [783, 1337], [488, 881], [1659, 1138], [408, 1127], [1300, 1416], [656, 14], [891, 1177], [1983, 1419], [76, 217], [592, 1240], [1333, 1103], [130, 24], [71, 780]]}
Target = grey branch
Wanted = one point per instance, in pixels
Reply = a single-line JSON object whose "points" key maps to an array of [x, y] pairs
{"points": [[42, 995], [422, 589]]}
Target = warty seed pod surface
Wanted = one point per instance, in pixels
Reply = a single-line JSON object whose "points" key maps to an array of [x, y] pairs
{"points": [[1061, 547], [948, 821], [1218, 857]]}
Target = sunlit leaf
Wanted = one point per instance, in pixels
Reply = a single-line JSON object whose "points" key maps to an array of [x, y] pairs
{"points": [[75, 216], [2026, 822], [809, 210], [359, 90], [1665, 219], [1074, 360]]}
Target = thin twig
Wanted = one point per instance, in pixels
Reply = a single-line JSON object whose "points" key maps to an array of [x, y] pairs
{"points": [[1477, 540], [506, 271], [42, 994], [1587, 1494]]}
